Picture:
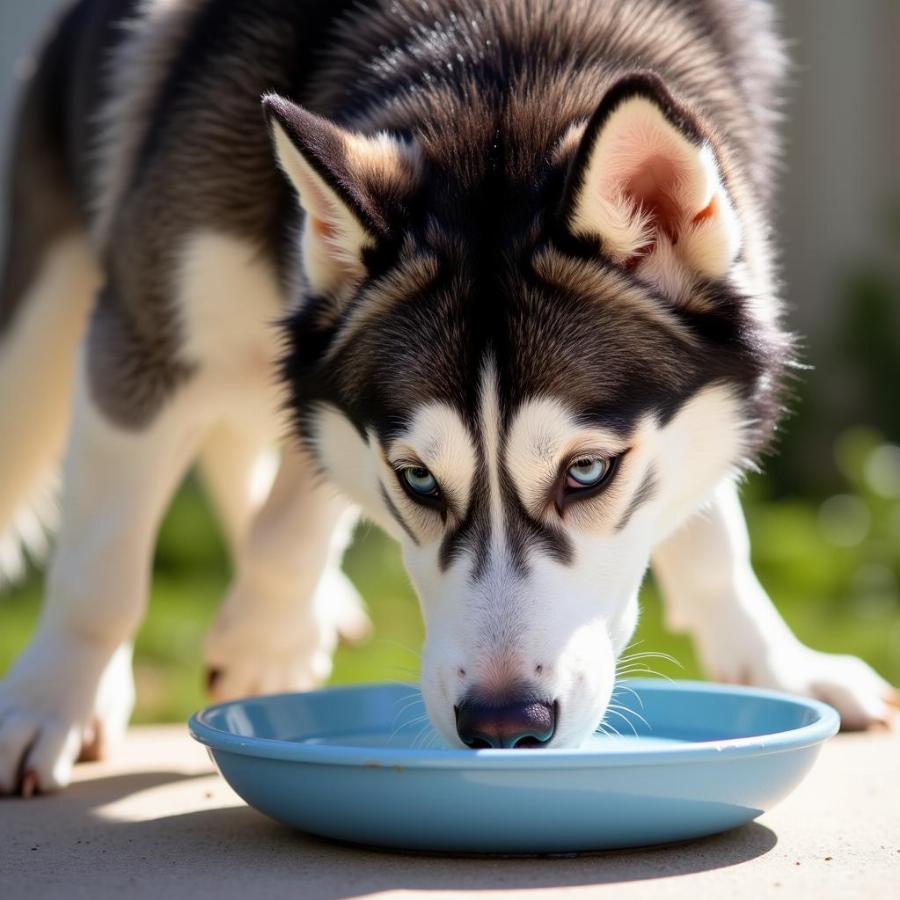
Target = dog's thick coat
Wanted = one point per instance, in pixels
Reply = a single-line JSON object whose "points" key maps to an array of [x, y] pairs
{"points": [[532, 241]]}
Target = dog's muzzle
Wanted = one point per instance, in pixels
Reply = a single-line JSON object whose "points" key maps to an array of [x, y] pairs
{"points": [[509, 723]]}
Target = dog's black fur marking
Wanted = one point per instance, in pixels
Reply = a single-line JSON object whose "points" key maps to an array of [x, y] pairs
{"points": [[398, 517], [643, 494], [486, 92]]}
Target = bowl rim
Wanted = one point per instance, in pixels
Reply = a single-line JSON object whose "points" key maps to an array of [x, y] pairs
{"points": [[824, 726]]}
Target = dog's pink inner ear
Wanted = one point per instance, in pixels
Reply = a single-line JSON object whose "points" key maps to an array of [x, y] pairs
{"points": [[321, 227], [322, 213], [651, 191]]}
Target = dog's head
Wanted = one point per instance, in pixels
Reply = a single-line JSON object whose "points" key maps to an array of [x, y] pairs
{"points": [[529, 352]]}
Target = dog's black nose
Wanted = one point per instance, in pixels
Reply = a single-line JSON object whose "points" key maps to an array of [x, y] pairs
{"points": [[509, 723]]}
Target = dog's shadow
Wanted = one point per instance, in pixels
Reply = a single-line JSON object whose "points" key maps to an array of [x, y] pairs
{"points": [[237, 851]]}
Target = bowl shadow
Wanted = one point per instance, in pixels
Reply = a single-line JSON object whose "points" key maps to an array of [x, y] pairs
{"points": [[234, 851]]}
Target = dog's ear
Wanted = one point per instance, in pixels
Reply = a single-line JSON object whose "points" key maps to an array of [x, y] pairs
{"points": [[646, 182], [347, 184]]}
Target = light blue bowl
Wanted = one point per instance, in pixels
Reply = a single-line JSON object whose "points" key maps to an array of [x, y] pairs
{"points": [[346, 763]]}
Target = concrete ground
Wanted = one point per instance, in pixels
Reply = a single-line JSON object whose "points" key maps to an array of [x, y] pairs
{"points": [[156, 822]]}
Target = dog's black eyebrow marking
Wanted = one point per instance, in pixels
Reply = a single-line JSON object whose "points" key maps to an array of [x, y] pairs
{"points": [[520, 529], [619, 417], [524, 531], [644, 493], [396, 514], [473, 530]]}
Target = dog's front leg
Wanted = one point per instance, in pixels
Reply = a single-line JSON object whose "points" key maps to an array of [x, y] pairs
{"points": [[279, 623], [71, 689], [712, 592]]}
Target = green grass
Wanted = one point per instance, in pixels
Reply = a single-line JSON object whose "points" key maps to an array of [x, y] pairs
{"points": [[818, 589]]}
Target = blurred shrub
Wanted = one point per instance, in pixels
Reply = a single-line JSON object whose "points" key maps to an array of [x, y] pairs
{"points": [[833, 565]]}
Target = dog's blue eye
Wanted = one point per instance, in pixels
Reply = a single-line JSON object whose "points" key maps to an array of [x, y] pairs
{"points": [[420, 480], [587, 472]]}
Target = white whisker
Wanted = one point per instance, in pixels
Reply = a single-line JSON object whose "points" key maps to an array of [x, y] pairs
{"points": [[616, 712], [650, 654], [635, 713], [610, 726], [641, 670], [630, 690]]}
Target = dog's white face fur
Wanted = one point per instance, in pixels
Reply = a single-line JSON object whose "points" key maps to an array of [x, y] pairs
{"points": [[555, 627]]}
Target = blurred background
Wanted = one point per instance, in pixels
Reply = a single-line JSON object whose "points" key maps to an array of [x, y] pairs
{"points": [[825, 516]]}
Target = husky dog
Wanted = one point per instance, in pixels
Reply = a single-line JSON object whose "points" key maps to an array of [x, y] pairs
{"points": [[519, 254]]}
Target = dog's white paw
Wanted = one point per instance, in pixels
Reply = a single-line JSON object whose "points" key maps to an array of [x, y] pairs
{"points": [[61, 701], [861, 696], [257, 647], [851, 686]]}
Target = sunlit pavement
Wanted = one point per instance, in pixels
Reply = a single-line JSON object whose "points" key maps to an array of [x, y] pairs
{"points": [[155, 821]]}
